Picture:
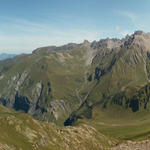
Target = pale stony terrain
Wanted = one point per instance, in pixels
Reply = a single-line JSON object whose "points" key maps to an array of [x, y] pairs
{"points": [[129, 145], [22, 132]]}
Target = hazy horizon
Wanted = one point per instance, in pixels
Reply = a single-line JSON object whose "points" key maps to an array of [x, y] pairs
{"points": [[27, 25]]}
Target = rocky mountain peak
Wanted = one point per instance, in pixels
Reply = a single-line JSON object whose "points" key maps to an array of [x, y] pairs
{"points": [[107, 43], [86, 43], [139, 32], [138, 39], [49, 49]]}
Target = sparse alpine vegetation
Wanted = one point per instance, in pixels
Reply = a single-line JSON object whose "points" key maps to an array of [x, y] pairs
{"points": [[20, 131]]}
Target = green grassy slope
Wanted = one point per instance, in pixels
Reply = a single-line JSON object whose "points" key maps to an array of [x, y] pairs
{"points": [[47, 83], [53, 83], [103, 91], [21, 131], [120, 82]]}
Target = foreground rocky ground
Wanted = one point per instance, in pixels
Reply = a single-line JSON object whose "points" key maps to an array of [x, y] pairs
{"points": [[129, 145], [20, 131]]}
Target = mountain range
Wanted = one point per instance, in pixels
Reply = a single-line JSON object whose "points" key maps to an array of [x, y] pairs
{"points": [[4, 56], [101, 87]]}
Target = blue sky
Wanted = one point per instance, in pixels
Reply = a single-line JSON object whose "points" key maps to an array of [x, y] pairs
{"points": [[28, 24]]}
